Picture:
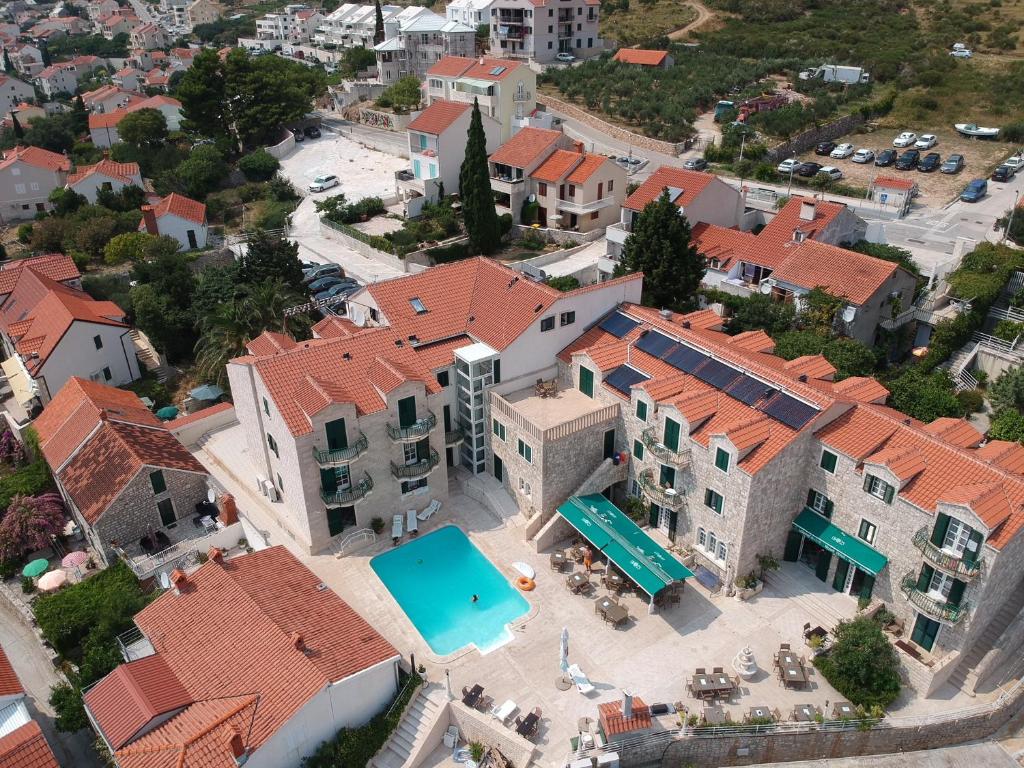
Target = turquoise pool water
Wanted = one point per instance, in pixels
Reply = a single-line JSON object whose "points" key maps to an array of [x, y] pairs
{"points": [[433, 579]]}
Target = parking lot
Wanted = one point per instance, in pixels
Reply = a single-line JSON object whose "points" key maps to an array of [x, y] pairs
{"points": [[937, 189]]}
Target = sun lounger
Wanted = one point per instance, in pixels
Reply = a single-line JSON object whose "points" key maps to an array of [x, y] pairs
{"points": [[410, 522], [396, 527], [504, 712], [431, 508], [583, 685]]}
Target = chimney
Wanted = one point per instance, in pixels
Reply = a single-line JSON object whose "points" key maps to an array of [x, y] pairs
{"points": [[481, 62], [297, 641], [627, 704], [178, 580], [807, 210], [238, 749], [216, 555], [149, 219], [228, 509], [666, 314], [799, 235]]}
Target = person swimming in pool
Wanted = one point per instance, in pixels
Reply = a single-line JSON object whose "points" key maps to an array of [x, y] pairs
{"points": [[475, 599]]}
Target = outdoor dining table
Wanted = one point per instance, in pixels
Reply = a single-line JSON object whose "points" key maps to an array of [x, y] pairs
{"points": [[602, 604], [615, 581], [616, 614], [759, 713], [791, 670], [558, 559], [714, 715], [577, 581], [804, 712], [471, 698], [843, 709], [715, 684], [529, 725]]}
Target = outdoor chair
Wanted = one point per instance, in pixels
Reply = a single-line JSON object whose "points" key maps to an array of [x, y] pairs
{"points": [[716, 670], [537, 712], [484, 703], [784, 647], [807, 628], [700, 671]]}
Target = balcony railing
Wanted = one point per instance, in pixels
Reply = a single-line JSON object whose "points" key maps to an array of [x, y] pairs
{"points": [[663, 497], [337, 456], [679, 457], [350, 495], [418, 429], [420, 468], [454, 437], [520, 96], [939, 610], [957, 566], [571, 206]]}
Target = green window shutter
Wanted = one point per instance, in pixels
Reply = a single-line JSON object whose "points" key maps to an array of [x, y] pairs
{"points": [[956, 592], [722, 459], [867, 482], [407, 411], [673, 522], [652, 516], [586, 381], [939, 531], [667, 477], [328, 481], [719, 503], [828, 461], [671, 435], [641, 410], [497, 371], [810, 496], [867, 586], [638, 450], [156, 479], [972, 555], [889, 493], [924, 579], [423, 449], [337, 436], [829, 506]]}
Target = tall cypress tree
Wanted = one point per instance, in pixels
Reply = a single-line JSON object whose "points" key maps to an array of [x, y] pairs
{"points": [[660, 247], [378, 29], [481, 219], [45, 52], [79, 116], [19, 132], [8, 65]]}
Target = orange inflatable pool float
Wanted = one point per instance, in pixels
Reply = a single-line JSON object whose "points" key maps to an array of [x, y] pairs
{"points": [[525, 584]]}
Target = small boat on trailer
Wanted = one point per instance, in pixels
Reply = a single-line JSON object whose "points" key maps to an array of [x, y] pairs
{"points": [[976, 131]]}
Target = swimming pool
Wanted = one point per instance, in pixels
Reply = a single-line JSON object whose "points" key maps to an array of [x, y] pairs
{"points": [[433, 579]]}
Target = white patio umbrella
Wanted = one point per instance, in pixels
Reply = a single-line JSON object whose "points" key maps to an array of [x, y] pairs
{"points": [[564, 683], [52, 581]]}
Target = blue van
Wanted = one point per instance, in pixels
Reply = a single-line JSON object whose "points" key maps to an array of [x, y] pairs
{"points": [[975, 190]]}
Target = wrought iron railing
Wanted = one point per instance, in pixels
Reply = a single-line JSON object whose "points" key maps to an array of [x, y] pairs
{"points": [[349, 495], [940, 610], [330, 457], [679, 457], [454, 437], [663, 497], [420, 468], [420, 428], [958, 566]]}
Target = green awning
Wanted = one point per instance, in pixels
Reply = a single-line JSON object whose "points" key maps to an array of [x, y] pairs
{"points": [[836, 540], [608, 529]]}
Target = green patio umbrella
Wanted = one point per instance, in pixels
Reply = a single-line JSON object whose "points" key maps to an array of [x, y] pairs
{"points": [[167, 413], [35, 568]]}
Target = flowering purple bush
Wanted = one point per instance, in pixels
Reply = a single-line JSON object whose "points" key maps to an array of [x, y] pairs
{"points": [[29, 523]]}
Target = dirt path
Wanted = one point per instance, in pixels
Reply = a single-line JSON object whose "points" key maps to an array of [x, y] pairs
{"points": [[704, 15]]}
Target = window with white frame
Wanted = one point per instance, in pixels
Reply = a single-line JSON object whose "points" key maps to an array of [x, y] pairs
{"points": [[702, 537], [712, 542], [940, 585], [722, 551], [957, 535], [878, 488]]}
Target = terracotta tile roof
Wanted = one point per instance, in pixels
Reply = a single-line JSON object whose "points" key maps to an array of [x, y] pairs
{"points": [[780, 228], [811, 366], [115, 453], [864, 389], [55, 266], [640, 56], [39, 311], [132, 695], [749, 432], [333, 327], [526, 147], [36, 157], [110, 119], [890, 182], [846, 274], [26, 747], [755, 341], [725, 245], [590, 165], [256, 626], [902, 461], [486, 68], [77, 409], [556, 166], [270, 343], [182, 207], [696, 406], [956, 431], [692, 183], [126, 173], [10, 685], [450, 66], [613, 722], [438, 117], [1003, 454]]}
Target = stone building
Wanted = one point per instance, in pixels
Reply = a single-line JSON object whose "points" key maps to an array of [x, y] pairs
{"points": [[540, 30]]}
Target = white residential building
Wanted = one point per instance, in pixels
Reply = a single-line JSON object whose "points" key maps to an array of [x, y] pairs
{"points": [[354, 26], [541, 29], [179, 217], [13, 92], [87, 180], [472, 13], [27, 177], [411, 47], [505, 90], [295, 23]]}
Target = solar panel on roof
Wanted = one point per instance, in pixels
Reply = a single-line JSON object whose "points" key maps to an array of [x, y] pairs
{"points": [[655, 344], [624, 377], [790, 411], [674, 193], [685, 358], [618, 324], [717, 374], [749, 390], [497, 70]]}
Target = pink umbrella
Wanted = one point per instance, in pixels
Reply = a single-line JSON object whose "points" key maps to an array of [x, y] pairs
{"points": [[75, 559], [52, 581]]}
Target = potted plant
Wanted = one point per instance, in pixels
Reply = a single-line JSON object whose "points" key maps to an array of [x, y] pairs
{"points": [[748, 586], [377, 525], [476, 751]]}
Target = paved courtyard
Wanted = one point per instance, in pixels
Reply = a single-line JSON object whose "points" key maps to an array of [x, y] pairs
{"points": [[652, 655]]}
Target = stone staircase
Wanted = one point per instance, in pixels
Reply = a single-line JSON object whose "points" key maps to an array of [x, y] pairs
{"points": [[410, 736], [964, 676], [493, 496], [148, 356]]}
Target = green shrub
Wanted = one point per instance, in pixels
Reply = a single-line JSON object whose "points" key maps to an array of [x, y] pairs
{"points": [[66, 701], [971, 401], [862, 665], [259, 165], [446, 253], [564, 283], [274, 215], [1008, 330], [28, 585], [25, 233], [30, 480]]}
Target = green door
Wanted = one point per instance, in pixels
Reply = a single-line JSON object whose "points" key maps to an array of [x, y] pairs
{"points": [[839, 580], [586, 381], [792, 551], [671, 435], [328, 481], [824, 561], [499, 470], [166, 509], [337, 437], [609, 443], [407, 411], [924, 633], [423, 449], [673, 522], [667, 478], [653, 514], [447, 418], [866, 586]]}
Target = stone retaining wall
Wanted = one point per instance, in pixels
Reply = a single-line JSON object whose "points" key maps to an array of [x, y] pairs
{"points": [[388, 121], [560, 236], [807, 139], [475, 726], [621, 134]]}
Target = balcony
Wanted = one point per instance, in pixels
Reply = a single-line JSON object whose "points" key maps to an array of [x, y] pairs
{"points": [[415, 431], [339, 456], [419, 469], [964, 570], [939, 610], [571, 206], [520, 96], [663, 497], [506, 184], [511, 33], [454, 437], [679, 457], [352, 494], [617, 233]]}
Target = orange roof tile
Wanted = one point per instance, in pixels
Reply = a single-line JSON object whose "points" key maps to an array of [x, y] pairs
{"points": [[36, 157], [864, 389], [450, 66], [126, 173], [487, 68], [26, 747], [10, 685], [182, 207], [811, 366], [1003, 454], [890, 182], [438, 117], [526, 147], [270, 343], [902, 461], [956, 431], [755, 341], [646, 58], [749, 432], [780, 228], [613, 722], [55, 266], [721, 244], [192, 418], [842, 273], [692, 183], [590, 165], [332, 327], [556, 166]]}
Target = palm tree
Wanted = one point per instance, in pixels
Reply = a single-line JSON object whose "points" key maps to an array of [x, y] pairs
{"points": [[244, 316]]}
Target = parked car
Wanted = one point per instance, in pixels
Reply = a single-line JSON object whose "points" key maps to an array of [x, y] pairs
{"points": [[930, 162], [905, 139], [790, 165], [908, 160], [695, 164], [323, 283], [841, 151], [962, 53], [831, 171], [974, 191], [885, 158], [322, 270], [313, 132], [299, 136], [927, 141], [953, 164], [825, 148], [1002, 173], [863, 156], [325, 181], [341, 289], [1016, 162], [565, 57], [808, 169]]}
